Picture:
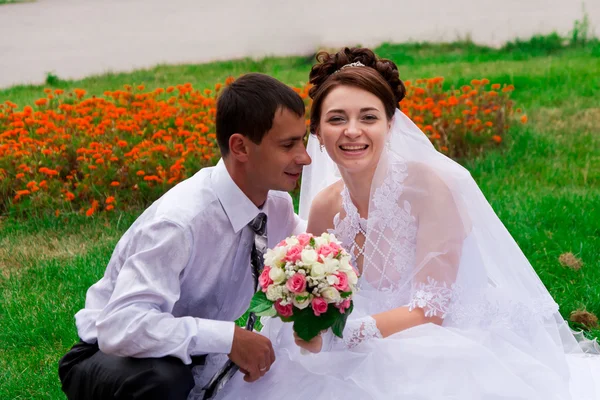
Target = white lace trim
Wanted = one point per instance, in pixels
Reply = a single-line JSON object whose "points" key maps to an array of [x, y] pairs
{"points": [[356, 332], [433, 297]]}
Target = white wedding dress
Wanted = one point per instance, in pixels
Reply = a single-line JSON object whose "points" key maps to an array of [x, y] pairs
{"points": [[432, 242], [425, 362]]}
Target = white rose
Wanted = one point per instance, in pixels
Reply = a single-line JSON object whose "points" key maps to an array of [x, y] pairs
{"points": [[333, 280], [331, 265], [352, 278], [302, 300], [277, 275], [292, 241], [274, 292], [331, 295], [320, 241], [309, 256], [273, 257], [317, 270], [345, 264]]}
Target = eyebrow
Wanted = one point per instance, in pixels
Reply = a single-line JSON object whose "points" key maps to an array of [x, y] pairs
{"points": [[361, 110]]}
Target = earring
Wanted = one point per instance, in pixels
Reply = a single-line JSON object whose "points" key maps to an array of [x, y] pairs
{"points": [[321, 146]]}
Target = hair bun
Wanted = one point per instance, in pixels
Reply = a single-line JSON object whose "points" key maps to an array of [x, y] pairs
{"points": [[329, 63]]}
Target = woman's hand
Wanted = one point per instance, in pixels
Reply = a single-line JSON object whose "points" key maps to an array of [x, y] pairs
{"points": [[314, 346]]}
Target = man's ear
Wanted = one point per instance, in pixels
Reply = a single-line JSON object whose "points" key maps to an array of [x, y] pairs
{"points": [[238, 147]]}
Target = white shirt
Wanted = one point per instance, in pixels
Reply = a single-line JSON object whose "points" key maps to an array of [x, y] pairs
{"points": [[181, 274]]}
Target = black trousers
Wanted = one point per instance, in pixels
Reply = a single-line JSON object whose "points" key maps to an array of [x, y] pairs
{"points": [[86, 373]]}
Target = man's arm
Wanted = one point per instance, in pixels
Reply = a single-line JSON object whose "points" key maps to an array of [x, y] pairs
{"points": [[137, 320]]}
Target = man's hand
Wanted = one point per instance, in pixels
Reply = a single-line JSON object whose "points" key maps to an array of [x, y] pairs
{"points": [[252, 352], [314, 346]]}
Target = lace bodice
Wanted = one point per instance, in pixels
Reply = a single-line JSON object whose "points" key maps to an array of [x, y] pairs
{"points": [[392, 233]]}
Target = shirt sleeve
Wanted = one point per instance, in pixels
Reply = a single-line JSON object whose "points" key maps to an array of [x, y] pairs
{"points": [[137, 320]]}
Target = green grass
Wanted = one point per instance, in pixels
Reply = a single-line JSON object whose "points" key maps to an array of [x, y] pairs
{"points": [[544, 185]]}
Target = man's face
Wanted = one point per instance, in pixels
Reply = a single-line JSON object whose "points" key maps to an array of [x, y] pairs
{"points": [[276, 163]]}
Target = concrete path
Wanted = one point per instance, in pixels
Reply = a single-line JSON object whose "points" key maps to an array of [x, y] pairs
{"points": [[76, 38]]}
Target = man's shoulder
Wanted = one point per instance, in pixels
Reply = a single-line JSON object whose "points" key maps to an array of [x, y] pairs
{"points": [[189, 200]]}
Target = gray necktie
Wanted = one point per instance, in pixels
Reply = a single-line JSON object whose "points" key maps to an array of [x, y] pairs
{"points": [[259, 247]]}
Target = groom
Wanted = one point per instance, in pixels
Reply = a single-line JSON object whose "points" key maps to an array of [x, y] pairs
{"points": [[182, 273]]}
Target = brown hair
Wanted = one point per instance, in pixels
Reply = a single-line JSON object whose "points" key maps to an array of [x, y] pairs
{"points": [[378, 76], [248, 106]]}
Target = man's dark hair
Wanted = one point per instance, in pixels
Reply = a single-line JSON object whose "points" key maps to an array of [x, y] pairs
{"points": [[248, 107]]}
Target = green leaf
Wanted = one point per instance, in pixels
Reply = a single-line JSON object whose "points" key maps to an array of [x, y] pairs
{"points": [[269, 313], [260, 303], [345, 294], [308, 326], [312, 242], [340, 322]]}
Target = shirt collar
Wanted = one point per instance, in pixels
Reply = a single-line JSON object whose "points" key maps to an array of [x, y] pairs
{"points": [[239, 208]]}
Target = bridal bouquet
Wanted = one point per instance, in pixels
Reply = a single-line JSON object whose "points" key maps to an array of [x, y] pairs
{"points": [[309, 281]]}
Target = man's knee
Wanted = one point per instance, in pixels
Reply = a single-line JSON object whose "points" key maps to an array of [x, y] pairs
{"points": [[171, 379]]}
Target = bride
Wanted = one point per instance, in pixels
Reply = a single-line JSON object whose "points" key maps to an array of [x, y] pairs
{"points": [[448, 307]]}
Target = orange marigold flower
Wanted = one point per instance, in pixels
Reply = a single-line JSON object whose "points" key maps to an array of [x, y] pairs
{"points": [[218, 87], [489, 123], [457, 121], [79, 93], [70, 196], [140, 173], [56, 213], [90, 212], [497, 139], [110, 200], [114, 183], [444, 149], [41, 102], [141, 87], [170, 89], [110, 207], [20, 175], [58, 91], [229, 80], [524, 119], [496, 86]]}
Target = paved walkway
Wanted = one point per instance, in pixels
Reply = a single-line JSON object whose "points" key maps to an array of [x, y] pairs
{"points": [[76, 38]]}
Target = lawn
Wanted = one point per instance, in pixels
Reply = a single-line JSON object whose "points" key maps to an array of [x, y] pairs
{"points": [[544, 184]]}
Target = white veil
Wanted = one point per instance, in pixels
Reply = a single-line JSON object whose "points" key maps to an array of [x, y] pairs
{"points": [[434, 242]]}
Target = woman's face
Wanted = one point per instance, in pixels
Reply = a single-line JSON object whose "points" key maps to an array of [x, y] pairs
{"points": [[353, 128]]}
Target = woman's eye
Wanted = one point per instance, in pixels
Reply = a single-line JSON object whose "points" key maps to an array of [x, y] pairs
{"points": [[336, 119], [370, 117]]}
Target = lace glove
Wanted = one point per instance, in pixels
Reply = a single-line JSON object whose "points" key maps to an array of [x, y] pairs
{"points": [[355, 332]]}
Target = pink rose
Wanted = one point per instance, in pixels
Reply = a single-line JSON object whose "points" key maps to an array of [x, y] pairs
{"points": [[264, 280], [296, 284], [342, 284], [319, 306], [282, 243], [343, 306], [326, 250], [284, 311], [294, 254], [304, 239]]}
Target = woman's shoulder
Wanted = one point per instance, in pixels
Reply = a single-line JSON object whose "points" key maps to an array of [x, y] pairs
{"points": [[326, 204]]}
